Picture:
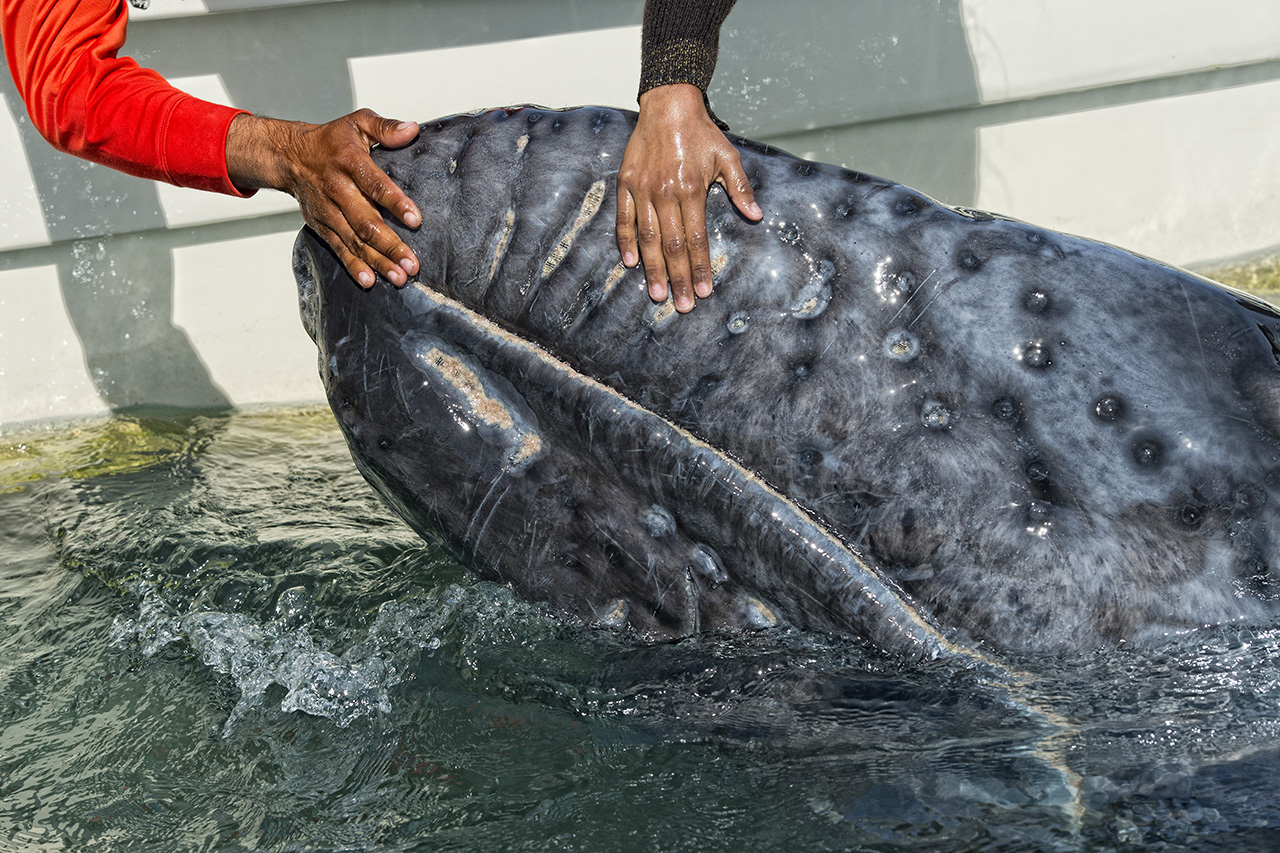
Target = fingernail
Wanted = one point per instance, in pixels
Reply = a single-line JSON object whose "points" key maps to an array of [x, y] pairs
{"points": [[628, 259], [365, 278], [684, 304], [411, 218], [408, 265], [405, 125], [703, 289], [755, 208]]}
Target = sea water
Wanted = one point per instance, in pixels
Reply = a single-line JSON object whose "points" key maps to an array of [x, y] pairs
{"points": [[213, 636]]}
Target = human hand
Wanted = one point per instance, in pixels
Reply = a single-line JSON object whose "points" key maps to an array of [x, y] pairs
{"points": [[339, 188], [674, 155]]}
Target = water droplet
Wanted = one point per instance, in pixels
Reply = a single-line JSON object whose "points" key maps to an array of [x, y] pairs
{"points": [[1109, 408], [1005, 409], [1035, 301], [1147, 452], [1036, 355]]}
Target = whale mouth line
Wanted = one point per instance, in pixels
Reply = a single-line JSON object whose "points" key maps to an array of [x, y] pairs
{"points": [[811, 536]]}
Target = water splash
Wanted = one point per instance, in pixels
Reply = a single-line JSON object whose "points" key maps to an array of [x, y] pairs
{"points": [[259, 654]]}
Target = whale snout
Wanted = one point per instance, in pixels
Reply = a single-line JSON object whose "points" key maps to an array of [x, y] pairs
{"points": [[304, 270]]}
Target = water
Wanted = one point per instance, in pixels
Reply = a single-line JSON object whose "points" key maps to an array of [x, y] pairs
{"points": [[214, 637]]}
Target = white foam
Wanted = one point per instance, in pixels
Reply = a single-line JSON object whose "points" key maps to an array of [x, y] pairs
{"points": [[257, 654]]}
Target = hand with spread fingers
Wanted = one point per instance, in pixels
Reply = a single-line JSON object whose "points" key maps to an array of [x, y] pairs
{"points": [[327, 168], [676, 152]]}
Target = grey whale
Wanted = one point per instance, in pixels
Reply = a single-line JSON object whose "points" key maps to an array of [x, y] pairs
{"points": [[926, 426]]}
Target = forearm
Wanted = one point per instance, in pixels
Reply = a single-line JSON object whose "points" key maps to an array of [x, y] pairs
{"points": [[87, 101]]}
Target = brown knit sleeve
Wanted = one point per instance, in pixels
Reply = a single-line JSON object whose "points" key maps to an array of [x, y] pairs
{"points": [[680, 41]]}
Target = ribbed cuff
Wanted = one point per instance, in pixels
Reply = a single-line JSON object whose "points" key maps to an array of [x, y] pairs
{"points": [[680, 42], [194, 146]]}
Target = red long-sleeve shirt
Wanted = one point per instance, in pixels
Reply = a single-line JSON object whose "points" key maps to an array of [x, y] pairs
{"points": [[91, 103]]}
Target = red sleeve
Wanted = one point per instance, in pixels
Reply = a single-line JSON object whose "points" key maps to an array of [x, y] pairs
{"points": [[91, 103]]}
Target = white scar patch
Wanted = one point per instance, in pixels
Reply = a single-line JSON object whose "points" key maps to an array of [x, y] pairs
{"points": [[590, 207], [615, 275], [504, 238], [481, 406]]}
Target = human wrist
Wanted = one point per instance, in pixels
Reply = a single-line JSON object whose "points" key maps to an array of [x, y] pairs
{"points": [[674, 98], [257, 152]]}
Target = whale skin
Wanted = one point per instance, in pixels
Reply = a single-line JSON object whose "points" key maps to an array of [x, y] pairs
{"points": [[931, 427]]}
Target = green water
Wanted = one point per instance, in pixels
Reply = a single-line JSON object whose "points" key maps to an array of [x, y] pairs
{"points": [[214, 637]]}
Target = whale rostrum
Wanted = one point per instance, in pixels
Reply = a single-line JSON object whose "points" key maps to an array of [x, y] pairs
{"points": [[926, 426]]}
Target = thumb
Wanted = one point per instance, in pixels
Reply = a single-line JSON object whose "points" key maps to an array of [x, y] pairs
{"points": [[734, 179], [389, 132]]}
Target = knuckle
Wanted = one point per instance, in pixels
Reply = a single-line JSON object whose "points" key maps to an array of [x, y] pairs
{"points": [[648, 235], [367, 231], [348, 258], [355, 244], [380, 190], [673, 246], [347, 159]]}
